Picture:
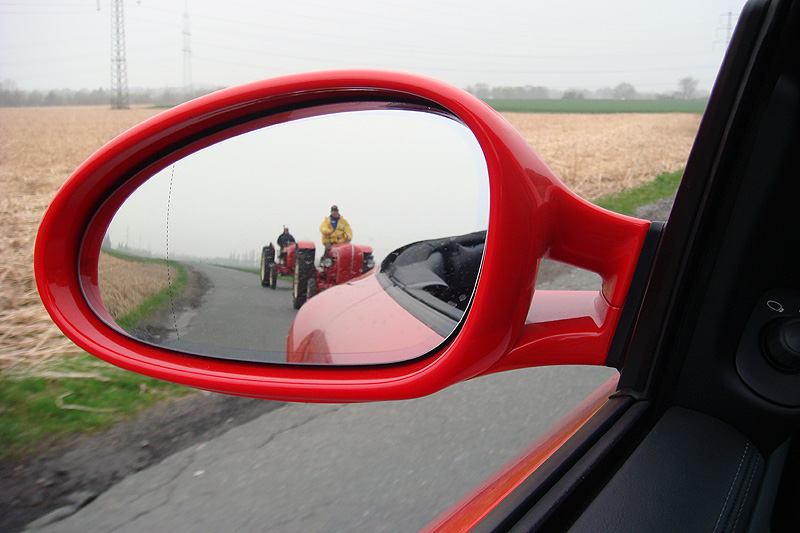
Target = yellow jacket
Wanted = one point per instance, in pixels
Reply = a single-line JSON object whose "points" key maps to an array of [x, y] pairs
{"points": [[343, 232]]}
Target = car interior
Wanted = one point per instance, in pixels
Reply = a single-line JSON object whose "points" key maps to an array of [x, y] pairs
{"points": [[439, 272], [700, 435]]}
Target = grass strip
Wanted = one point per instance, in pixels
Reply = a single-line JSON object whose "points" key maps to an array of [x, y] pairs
{"points": [[79, 395], [577, 105], [157, 301], [626, 202]]}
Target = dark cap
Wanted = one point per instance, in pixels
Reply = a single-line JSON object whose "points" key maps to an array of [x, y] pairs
{"points": [[334, 208]]}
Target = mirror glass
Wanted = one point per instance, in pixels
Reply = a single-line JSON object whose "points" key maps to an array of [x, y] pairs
{"points": [[195, 258]]}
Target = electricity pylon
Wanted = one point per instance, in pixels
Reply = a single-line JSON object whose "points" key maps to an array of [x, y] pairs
{"points": [[119, 65]]}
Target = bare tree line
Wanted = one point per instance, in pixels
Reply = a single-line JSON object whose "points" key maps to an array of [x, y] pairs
{"points": [[687, 90], [11, 96]]}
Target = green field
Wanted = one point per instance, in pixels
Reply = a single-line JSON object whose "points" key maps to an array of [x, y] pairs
{"points": [[78, 395], [626, 202], [596, 106]]}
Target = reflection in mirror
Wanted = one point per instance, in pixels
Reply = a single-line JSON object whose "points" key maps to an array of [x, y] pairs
{"points": [[553, 275], [221, 252]]}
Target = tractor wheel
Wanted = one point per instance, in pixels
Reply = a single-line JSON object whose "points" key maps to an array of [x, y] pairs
{"points": [[265, 261], [273, 276], [303, 272], [311, 288]]}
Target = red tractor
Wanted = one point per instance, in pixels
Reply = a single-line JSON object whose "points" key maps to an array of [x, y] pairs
{"points": [[270, 268], [339, 264]]}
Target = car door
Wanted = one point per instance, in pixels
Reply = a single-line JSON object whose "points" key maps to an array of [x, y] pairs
{"points": [[699, 435]]}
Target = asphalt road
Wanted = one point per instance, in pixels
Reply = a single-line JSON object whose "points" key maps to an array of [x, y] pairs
{"points": [[237, 318], [385, 466]]}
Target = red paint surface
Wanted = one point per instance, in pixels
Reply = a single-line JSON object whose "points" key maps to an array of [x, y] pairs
{"points": [[532, 215], [357, 323]]}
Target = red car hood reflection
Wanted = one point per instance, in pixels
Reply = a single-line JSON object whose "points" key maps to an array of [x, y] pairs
{"points": [[354, 324]]}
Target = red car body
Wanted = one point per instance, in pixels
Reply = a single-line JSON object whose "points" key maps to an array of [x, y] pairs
{"points": [[330, 329], [393, 315]]}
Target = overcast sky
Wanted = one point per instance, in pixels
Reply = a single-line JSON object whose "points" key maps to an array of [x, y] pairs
{"points": [[47, 44], [397, 176]]}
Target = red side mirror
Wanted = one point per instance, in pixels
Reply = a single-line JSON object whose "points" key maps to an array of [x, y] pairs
{"points": [[532, 215]]}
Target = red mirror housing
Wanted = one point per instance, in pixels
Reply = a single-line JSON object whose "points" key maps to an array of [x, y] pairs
{"points": [[532, 216]]}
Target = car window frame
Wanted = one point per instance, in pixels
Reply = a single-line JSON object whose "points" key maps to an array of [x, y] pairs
{"points": [[567, 482]]}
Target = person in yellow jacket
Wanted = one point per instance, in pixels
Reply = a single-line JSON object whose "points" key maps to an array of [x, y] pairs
{"points": [[335, 229]]}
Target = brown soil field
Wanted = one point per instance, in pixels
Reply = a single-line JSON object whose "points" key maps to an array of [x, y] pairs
{"points": [[40, 147], [596, 155], [124, 285]]}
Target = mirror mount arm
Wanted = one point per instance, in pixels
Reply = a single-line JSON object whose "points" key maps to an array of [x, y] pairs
{"points": [[578, 327], [563, 328], [598, 240]]}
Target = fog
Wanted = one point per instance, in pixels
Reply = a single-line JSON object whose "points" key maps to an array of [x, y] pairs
{"points": [[396, 176], [561, 45]]}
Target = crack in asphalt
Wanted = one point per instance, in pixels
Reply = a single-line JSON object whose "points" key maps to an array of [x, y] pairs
{"points": [[167, 484], [296, 426]]}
